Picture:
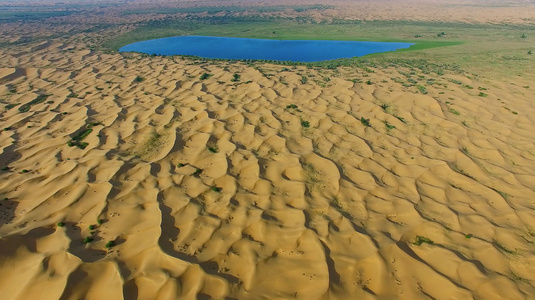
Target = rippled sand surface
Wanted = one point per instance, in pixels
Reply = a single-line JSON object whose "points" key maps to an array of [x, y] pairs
{"points": [[272, 187]]}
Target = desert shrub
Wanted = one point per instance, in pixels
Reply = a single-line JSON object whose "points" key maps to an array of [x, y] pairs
{"points": [[235, 77], [422, 239], [206, 76]]}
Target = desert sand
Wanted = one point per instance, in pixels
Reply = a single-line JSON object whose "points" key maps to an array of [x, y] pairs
{"points": [[280, 211], [272, 187]]}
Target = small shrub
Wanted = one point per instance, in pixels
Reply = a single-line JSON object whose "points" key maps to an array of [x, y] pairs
{"points": [[365, 122], [216, 189], [401, 119], [422, 239], [389, 126], [100, 221], [530, 52], [197, 172], [235, 77], [110, 244], [304, 79], [523, 36], [481, 94], [139, 79], [88, 240], [213, 149], [206, 76], [515, 113], [5, 199], [5, 168], [92, 227], [181, 165], [61, 224], [305, 124], [385, 106], [25, 171], [291, 106], [468, 236], [453, 111], [422, 89], [369, 82]]}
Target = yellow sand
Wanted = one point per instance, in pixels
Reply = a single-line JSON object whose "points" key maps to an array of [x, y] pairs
{"points": [[329, 211]]}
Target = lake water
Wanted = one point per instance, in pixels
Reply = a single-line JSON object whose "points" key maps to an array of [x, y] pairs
{"points": [[242, 48]]}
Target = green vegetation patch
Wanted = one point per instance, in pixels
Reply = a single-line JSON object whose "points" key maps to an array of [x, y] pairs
{"points": [[78, 138], [422, 239], [26, 107]]}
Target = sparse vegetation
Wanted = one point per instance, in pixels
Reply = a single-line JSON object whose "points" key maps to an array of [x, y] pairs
{"points": [[389, 126], [213, 149], [110, 244], [61, 224], [181, 165], [26, 107], [422, 89], [197, 172], [305, 124], [88, 240], [139, 79], [422, 239], [216, 189], [365, 122], [77, 139], [235, 77], [453, 111], [5, 168], [205, 76]]}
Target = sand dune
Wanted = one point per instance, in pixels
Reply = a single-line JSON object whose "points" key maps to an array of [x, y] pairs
{"points": [[268, 188]]}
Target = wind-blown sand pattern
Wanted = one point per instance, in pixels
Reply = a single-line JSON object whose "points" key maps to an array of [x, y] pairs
{"points": [[439, 207]]}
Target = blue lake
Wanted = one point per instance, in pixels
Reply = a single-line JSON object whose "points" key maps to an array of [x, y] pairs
{"points": [[242, 48]]}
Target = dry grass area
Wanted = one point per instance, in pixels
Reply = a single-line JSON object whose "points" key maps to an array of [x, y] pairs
{"points": [[128, 176]]}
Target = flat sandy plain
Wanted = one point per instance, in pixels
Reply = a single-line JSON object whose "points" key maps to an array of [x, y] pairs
{"points": [[270, 187]]}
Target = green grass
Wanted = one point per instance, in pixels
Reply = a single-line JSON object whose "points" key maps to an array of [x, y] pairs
{"points": [[495, 49]]}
